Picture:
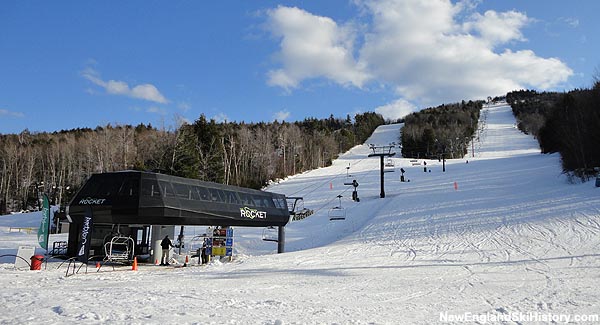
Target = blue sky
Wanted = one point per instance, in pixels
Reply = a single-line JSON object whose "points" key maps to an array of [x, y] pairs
{"points": [[69, 64]]}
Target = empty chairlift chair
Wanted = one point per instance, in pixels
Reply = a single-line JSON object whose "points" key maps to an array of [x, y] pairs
{"points": [[119, 249], [195, 245], [270, 234], [298, 211], [389, 166], [338, 212]]}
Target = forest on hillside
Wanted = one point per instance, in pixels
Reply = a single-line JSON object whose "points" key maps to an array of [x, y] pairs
{"points": [[567, 123], [440, 132], [242, 154]]}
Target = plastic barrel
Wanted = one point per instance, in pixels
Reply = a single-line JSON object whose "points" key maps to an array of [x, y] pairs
{"points": [[36, 262]]}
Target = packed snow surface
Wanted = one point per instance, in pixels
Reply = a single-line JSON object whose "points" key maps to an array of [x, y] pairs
{"points": [[502, 235]]}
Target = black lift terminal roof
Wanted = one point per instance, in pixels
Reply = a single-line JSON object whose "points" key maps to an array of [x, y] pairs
{"points": [[134, 197]]}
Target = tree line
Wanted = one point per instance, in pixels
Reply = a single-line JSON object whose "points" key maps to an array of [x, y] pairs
{"points": [[442, 131], [567, 123], [241, 154]]}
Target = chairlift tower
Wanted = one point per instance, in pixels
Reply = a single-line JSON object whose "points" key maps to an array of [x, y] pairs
{"points": [[382, 152], [269, 232]]}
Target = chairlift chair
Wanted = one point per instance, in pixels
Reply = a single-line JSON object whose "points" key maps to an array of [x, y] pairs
{"points": [[389, 166], [389, 162], [119, 249], [337, 213], [298, 206], [270, 234], [297, 209], [293, 203], [195, 244]]}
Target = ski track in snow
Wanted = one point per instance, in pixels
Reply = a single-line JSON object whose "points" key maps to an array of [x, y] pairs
{"points": [[514, 237]]}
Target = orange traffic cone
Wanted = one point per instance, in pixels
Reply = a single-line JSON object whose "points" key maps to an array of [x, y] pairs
{"points": [[134, 266]]}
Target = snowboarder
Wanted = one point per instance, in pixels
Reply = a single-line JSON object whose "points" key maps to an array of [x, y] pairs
{"points": [[166, 245], [424, 166]]}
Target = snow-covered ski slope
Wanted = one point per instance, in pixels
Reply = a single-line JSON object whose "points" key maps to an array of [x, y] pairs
{"points": [[512, 238]]}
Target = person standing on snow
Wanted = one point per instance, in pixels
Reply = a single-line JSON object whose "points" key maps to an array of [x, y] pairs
{"points": [[166, 244], [204, 256]]}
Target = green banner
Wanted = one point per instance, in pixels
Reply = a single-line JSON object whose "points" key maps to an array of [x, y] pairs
{"points": [[44, 230]]}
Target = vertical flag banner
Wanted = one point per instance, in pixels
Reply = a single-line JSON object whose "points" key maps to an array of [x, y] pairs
{"points": [[44, 232], [85, 239]]}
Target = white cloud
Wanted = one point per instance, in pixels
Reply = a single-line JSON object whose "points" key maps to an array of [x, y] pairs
{"points": [[157, 110], [181, 120], [5, 112], [429, 52], [396, 110], [220, 118], [498, 28], [445, 63], [312, 47], [148, 92], [281, 115], [570, 21], [115, 87], [184, 106]]}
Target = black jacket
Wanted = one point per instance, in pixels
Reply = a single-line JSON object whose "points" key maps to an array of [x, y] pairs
{"points": [[166, 243]]}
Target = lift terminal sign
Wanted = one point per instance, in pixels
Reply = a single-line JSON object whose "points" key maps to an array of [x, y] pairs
{"points": [[246, 212], [91, 201]]}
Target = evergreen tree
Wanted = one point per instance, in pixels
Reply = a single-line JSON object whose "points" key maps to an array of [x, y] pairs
{"points": [[208, 135]]}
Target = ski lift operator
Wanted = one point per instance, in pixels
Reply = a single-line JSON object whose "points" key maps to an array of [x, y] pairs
{"points": [[166, 244]]}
